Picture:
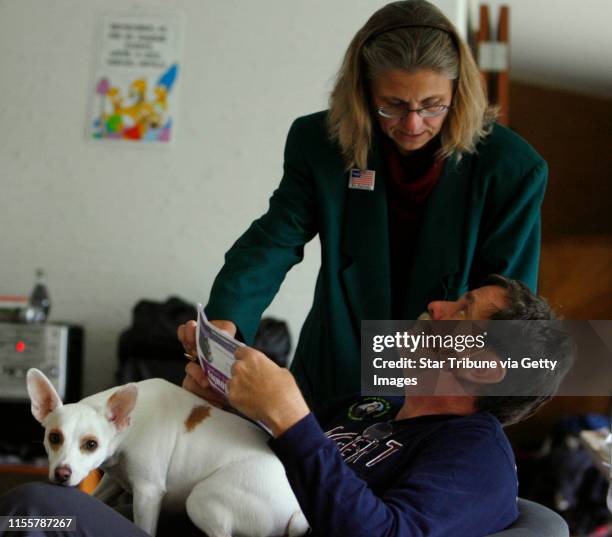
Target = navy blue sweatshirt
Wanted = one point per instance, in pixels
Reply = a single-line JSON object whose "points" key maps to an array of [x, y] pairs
{"points": [[440, 475]]}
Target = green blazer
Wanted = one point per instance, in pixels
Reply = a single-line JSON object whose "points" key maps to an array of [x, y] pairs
{"points": [[483, 217]]}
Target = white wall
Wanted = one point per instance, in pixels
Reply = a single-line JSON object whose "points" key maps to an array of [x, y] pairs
{"points": [[113, 224]]}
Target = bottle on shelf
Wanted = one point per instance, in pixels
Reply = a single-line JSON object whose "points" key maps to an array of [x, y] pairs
{"points": [[40, 303]]}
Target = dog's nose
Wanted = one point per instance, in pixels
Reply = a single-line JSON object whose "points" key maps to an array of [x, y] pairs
{"points": [[62, 473]]}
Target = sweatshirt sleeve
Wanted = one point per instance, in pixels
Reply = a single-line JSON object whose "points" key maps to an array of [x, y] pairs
{"points": [[461, 485], [257, 263]]}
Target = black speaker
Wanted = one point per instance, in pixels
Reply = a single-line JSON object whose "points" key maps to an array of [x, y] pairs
{"points": [[55, 349]]}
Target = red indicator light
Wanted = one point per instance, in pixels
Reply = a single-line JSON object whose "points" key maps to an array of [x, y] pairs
{"points": [[20, 346]]}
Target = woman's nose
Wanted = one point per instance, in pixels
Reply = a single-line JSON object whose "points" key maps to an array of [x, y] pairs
{"points": [[413, 122]]}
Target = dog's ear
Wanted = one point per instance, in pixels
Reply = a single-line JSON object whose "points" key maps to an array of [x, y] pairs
{"points": [[43, 397], [120, 405]]}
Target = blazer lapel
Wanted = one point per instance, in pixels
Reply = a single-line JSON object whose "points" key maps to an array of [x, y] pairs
{"points": [[365, 245], [439, 249]]}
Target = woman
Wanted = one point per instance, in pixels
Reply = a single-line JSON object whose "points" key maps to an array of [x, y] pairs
{"points": [[415, 193]]}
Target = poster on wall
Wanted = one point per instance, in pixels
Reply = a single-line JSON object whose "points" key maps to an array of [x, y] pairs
{"points": [[136, 75]]}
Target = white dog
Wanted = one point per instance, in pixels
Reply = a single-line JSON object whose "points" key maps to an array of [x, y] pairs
{"points": [[171, 450]]}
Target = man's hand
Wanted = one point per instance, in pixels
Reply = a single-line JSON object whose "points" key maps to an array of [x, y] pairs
{"points": [[196, 382], [187, 334], [265, 392], [195, 379]]}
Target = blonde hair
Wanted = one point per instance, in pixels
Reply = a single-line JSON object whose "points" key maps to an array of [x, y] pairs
{"points": [[408, 35]]}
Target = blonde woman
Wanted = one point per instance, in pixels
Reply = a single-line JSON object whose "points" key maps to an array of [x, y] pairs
{"points": [[414, 191]]}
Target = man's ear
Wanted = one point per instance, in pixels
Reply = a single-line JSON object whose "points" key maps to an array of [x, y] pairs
{"points": [[482, 376], [485, 375], [120, 405], [43, 397]]}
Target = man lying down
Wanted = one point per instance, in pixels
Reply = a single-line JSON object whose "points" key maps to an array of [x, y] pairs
{"points": [[416, 466]]}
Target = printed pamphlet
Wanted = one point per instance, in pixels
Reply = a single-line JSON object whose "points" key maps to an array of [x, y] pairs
{"points": [[216, 351]]}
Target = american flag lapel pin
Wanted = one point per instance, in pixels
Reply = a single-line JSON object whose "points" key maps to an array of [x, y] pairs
{"points": [[362, 179]]}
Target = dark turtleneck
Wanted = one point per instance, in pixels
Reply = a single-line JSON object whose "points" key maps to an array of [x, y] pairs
{"points": [[412, 178]]}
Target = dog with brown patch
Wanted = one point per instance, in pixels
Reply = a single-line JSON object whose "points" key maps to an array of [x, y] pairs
{"points": [[171, 451]]}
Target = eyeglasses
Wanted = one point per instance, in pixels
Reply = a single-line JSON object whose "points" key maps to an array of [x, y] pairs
{"points": [[402, 111]]}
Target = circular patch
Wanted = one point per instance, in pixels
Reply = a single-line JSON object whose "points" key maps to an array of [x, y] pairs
{"points": [[369, 408]]}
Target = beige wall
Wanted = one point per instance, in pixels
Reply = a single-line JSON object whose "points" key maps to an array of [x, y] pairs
{"points": [[574, 134]]}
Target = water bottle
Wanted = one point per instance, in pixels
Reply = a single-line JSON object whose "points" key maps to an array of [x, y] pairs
{"points": [[40, 303]]}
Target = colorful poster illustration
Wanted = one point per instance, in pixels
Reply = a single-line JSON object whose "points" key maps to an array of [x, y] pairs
{"points": [[136, 77]]}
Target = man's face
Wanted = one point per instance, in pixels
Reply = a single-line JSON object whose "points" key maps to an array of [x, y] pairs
{"points": [[475, 305], [413, 90]]}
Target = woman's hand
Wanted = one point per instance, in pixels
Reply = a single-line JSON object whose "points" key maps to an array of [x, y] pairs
{"points": [[195, 379], [265, 392]]}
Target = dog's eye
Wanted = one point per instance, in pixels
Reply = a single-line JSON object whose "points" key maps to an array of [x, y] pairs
{"points": [[54, 438], [90, 445]]}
